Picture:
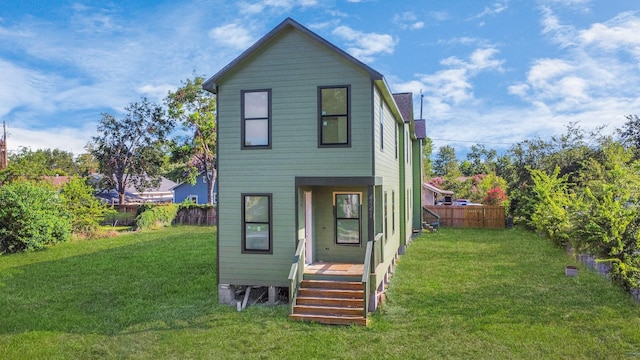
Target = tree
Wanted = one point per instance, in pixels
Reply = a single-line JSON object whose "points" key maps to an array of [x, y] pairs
{"points": [[427, 165], [130, 151], [482, 160], [86, 211], [630, 133], [195, 108], [445, 163]]}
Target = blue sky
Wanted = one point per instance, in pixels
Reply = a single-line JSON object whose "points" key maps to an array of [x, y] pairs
{"points": [[492, 72]]}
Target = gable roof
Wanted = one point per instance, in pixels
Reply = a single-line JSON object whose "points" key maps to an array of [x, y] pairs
{"points": [[405, 105], [211, 84], [420, 128]]}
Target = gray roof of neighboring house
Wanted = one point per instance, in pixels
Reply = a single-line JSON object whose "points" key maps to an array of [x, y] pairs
{"points": [[166, 185], [420, 128], [405, 105], [436, 189], [288, 23]]}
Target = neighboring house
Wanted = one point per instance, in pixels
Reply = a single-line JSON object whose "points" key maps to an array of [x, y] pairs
{"points": [[57, 181], [431, 195], [316, 166], [163, 193], [196, 193]]}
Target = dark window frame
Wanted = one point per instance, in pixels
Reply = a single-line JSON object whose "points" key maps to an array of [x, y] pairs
{"points": [[243, 142], [244, 224], [321, 144], [337, 218]]}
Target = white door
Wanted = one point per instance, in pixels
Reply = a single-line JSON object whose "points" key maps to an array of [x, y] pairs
{"points": [[308, 227]]}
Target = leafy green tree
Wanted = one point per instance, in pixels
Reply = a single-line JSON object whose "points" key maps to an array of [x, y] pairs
{"points": [[445, 163], [606, 220], [195, 108], [130, 150], [552, 199], [481, 159], [630, 134], [427, 165], [31, 217], [85, 209]]}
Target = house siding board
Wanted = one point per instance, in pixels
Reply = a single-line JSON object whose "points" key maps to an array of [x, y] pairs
{"points": [[294, 149], [388, 167]]}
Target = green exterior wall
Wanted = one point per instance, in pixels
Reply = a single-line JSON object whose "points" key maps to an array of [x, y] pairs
{"points": [[292, 67]]}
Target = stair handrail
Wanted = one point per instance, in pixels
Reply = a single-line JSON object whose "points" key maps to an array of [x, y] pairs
{"points": [[296, 273], [432, 213], [368, 269]]}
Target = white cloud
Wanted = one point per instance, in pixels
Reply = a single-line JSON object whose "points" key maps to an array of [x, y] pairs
{"points": [[64, 138], [233, 35], [585, 76], [365, 46], [451, 88], [620, 33], [408, 20], [276, 5], [495, 9]]}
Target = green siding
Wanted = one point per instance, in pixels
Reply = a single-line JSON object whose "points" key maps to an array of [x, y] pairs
{"points": [[292, 67], [387, 167]]}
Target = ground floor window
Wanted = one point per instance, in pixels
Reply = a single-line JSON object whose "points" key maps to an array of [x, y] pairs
{"points": [[347, 209], [256, 223]]}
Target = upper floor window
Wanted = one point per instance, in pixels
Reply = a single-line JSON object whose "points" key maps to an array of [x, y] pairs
{"points": [[334, 118], [256, 119]]}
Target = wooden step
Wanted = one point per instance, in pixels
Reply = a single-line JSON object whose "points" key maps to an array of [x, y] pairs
{"points": [[324, 301], [332, 320], [337, 302], [330, 293], [328, 310], [328, 284]]}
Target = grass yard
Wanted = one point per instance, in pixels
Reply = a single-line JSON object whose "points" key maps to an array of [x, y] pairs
{"points": [[494, 294]]}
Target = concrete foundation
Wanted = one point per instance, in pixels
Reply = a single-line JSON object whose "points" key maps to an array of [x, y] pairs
{"points": [[226, 294]]}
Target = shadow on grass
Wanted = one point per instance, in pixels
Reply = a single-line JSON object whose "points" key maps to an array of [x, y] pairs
{"points": [[163, 283]]}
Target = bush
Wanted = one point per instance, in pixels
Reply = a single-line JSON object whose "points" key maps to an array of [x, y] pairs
{"points": [[31, 217], [86, 211], [155, 217]]}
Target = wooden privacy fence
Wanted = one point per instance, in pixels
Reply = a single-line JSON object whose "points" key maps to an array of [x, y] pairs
{"points": [[186, 216], [196, 216], [469, 216]]}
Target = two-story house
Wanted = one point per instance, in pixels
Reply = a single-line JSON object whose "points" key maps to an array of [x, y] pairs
{"points": [[317, 175]]}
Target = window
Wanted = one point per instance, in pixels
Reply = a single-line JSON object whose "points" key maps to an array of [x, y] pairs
{"points": [[347, 209], [256, 223], [256, 119], [381, 127], [393, 212], [193, 198], [386, 224], [334, 119], [395, 137]]}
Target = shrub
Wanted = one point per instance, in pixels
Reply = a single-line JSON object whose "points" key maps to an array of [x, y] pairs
{"points": [[86, 211], [155, 217], [31, 217], [552, 198]]}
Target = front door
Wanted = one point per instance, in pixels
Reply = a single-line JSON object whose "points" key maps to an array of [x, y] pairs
{"points": [[308, 227]]}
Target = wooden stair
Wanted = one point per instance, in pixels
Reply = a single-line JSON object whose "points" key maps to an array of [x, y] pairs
{"points": [[335, 302]]}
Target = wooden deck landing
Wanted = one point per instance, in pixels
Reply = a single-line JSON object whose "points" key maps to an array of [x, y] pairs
{"points": [[334, 269]]}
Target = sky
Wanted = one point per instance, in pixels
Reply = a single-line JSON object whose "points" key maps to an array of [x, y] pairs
{"points": [[490, 72]]}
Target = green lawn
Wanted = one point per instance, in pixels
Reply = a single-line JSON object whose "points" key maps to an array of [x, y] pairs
{"points": [[495, 294]]}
